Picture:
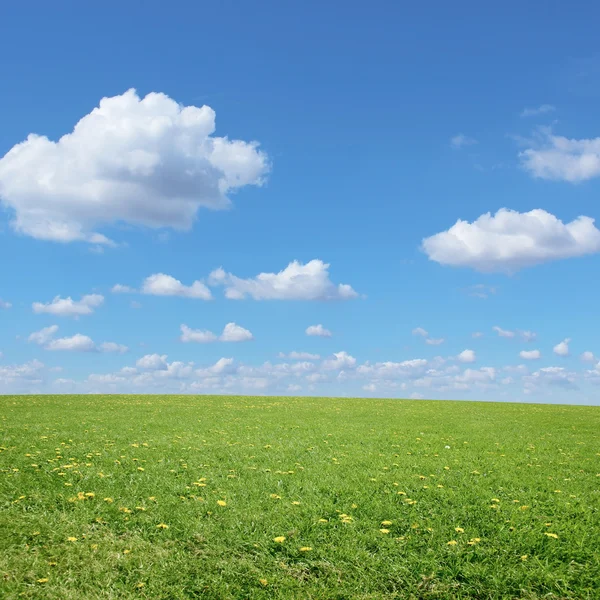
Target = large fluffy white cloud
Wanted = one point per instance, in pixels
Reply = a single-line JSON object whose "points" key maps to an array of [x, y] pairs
{"points": [[67, 307], [297, 281], [560, 158], [509, 241], [149, 162]]}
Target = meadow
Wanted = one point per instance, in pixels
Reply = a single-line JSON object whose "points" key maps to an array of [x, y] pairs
{"points": [[169, 497]]}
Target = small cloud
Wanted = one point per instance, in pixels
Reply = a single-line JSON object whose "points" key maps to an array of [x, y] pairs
{"points": [[160, 284], [466, 356], [4, 304], [299, 356], [112, 347], [152, 362], [235, 333], [481, 290], [434, 342], [460, 140], [530, 354], [231, 333], [543, 109], [420, 331], [67, 307], [122, 289], [562, 348], [588, 357], [43, 336], [318, 330], [297, 281], [477, 334], [75, 343], [503, 332]]}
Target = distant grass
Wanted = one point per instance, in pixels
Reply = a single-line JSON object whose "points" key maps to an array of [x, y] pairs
{"points": [[512, 475]]}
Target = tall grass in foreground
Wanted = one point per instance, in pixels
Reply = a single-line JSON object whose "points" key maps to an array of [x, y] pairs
{"points": [[247, 497]]}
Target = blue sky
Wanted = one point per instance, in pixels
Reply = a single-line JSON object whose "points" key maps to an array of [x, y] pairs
{"points": [[255, 170]]}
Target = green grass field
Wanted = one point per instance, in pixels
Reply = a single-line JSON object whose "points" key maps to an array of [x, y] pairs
{"points": [[250, 497]]}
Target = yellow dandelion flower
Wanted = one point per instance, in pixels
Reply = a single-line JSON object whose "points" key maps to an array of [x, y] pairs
{"points": [[386, 523], [524, 557], [221, 503], [90, 495], [305, 549], [152, 498], [109, 500], [71, 539], [495, 500], [452, 543], [323, 521], [140, 585], [263, 582], [384, 531], [43, 580], [459, 530], [162, 526], [275, 496], [140, 508], [279, 539], [126, 551], [140, 468], [552, 535], [548, 524], [401, 493], [296, 503]]}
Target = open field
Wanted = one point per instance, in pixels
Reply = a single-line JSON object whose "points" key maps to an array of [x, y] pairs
{"points": [[187, 497]]}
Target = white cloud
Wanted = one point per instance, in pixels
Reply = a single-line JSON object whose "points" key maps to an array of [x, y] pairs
{"points": [[67, 307], [528, 336], [503, 332], [553, 376], [231, 333], [235, 333], [75, 343], [43, 336], [4, 304], [27, 372], [562, 348], [197, 335], [152, 362], [122, 289], [297, 281], [318, 330], [299, 356], [530, 354], [588, 357], [559, 158], [434, 342], [149, 162], [460, 140], [420, 331], [481, 290], [160, 284], [340, 360], [113, 347], [467, 356], [539, 110], [509, 241]]}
